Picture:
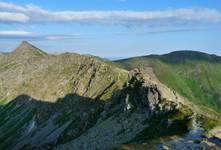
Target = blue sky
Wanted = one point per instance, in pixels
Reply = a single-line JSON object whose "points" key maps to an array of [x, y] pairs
{"points": [[112, 28]]}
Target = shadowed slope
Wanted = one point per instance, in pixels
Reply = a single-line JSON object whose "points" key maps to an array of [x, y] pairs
{"points": [[25, 121]]}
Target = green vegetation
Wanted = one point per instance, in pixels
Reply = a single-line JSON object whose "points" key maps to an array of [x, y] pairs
{"points": [[2, 102], [195, 75]]}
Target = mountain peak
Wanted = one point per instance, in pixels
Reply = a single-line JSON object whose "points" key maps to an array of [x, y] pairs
{"points": [[27, 49], [25, 43]]}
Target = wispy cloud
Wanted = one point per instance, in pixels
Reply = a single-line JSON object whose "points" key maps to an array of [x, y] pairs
{"points": [[7, 17], [159, 30], [33, 14], [16, 34], [31, 35], [176, 29]]}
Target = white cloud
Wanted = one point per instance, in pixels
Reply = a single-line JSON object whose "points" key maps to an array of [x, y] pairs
{"points": [[16, 34], [31, 35], [7, 17], [159, 30], [11, 7], [35, 14]]}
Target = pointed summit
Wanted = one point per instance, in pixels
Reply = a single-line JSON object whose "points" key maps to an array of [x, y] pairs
{"points": [[25, 46], [28, 50], [25, 42]]}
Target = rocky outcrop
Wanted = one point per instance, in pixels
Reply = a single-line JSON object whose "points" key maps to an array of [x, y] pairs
{"points": [[192, 74], [128, 115]]}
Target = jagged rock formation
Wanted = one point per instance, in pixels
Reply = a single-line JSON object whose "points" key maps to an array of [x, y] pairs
{"points": [[72, 101], [129, 114], [195, 75]]}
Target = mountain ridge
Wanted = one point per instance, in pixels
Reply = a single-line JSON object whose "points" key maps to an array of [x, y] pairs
{"points": [[75, 101], [56, 73]]}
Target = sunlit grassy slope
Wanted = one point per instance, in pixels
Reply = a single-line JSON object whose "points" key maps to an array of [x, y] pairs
{"points": [[194, 75]]}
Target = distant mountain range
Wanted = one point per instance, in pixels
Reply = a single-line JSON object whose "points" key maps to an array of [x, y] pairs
{"points": [[72, 101]]}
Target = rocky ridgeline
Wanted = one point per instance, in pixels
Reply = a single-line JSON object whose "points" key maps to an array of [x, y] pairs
{"points": [[28, 70], [129, 114]]}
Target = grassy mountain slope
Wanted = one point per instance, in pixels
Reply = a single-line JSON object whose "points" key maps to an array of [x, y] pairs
{"points": [[28, 70], [194, 75]]}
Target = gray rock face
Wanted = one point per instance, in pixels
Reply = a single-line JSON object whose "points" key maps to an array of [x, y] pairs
{"points": [[125, 116]]}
